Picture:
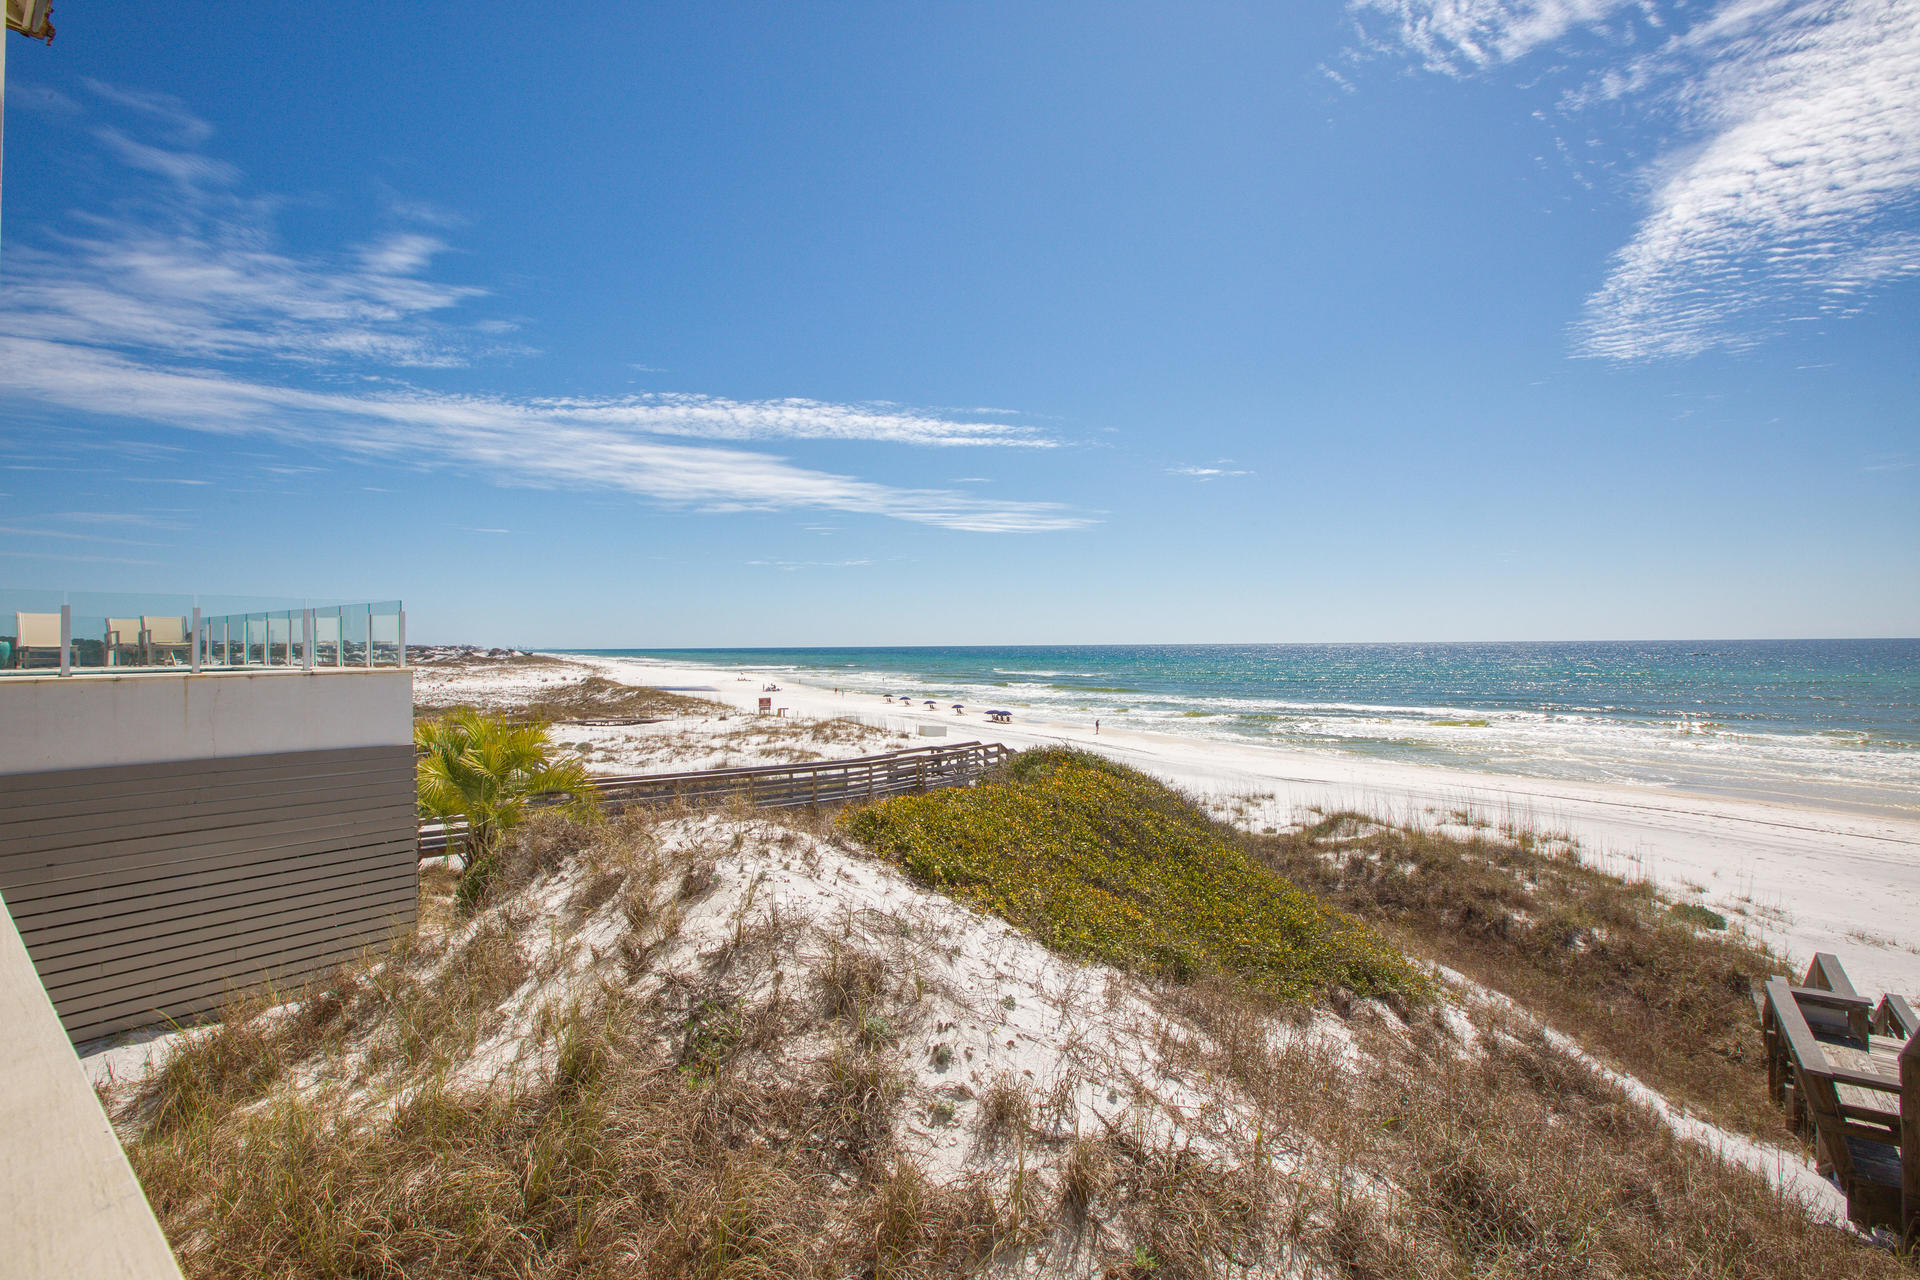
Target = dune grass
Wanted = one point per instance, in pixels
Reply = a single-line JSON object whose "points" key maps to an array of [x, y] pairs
{"points": [[613, 1166], [681, 1134], [567, 700], [1497, 1157], [1663, 992], [1101, 861], [598, 698]]}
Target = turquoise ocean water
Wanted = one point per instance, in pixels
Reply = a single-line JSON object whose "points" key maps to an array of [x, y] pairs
{"points": [[1834, 722]]}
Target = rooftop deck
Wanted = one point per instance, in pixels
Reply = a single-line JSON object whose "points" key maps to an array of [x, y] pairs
{"points": [[67, 633]]}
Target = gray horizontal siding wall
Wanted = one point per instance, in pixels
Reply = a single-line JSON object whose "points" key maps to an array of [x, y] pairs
{"points": [[149, 892]]}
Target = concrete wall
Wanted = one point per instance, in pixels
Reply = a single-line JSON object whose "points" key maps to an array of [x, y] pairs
{"points": [[82, 721]]}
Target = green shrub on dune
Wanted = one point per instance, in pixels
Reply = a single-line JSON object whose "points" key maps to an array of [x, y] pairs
{"points": [[1101, 861]]}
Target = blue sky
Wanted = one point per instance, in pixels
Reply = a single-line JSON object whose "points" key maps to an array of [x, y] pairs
{"points": [[733, 324]]}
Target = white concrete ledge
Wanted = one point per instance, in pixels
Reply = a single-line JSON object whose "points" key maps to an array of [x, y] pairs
{"points": [[155, 717], [69, 1203]]}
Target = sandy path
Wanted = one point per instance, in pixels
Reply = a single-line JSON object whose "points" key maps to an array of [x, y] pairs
{"points": [[1806, 879]]}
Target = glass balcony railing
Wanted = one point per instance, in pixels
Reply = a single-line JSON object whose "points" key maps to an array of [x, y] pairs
{"points": [[47, 632]]}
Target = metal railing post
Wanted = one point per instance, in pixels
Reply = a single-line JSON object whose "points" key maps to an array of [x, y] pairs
{"points": [[306, 639], [66, 639], [193, 641], [401, 624]]}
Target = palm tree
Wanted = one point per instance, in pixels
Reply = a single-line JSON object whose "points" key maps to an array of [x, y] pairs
{"points": [[487, 770]]}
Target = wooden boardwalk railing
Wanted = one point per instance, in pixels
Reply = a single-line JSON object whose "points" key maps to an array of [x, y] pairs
{"points": [[783, 785], [1850, 1072]]}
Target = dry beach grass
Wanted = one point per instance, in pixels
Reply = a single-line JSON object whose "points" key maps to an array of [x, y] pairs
{"points": [[558, 693], [1657, 989]]}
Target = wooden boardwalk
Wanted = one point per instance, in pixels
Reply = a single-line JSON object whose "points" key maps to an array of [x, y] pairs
{"points": [[1849, 1071], [780, 786]]}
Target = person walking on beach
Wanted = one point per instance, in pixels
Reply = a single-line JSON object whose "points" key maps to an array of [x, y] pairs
{"points": [[1096, 727]]}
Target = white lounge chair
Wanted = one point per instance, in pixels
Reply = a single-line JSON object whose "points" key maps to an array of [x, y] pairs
{"points": [[164, 639], [123, 637], [35, 633]]}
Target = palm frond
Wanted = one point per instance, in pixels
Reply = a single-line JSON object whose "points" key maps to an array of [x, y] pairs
{"points": [[486, 770]]}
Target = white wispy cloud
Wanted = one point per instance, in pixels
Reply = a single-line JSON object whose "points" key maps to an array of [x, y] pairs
{"points": [[548, 444], [35, 97], [1207, 473], [142, 519], [1458, 37], [1788, 182], [13, 554], [1800, 198], [187, 169], [192, 270], [401, 253], [180, 123], [717, 418], [177, 304], [790, 565], [40, 531]]}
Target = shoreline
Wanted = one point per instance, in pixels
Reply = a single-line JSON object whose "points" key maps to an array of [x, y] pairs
{"points": [[1801, 877], [1797, 744]]}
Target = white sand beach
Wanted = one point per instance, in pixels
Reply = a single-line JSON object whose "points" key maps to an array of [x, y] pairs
{"points": [[1803, 879]]}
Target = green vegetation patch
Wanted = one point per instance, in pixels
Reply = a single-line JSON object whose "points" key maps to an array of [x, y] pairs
{"points": [[1698, 916], [1101, 861]]}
